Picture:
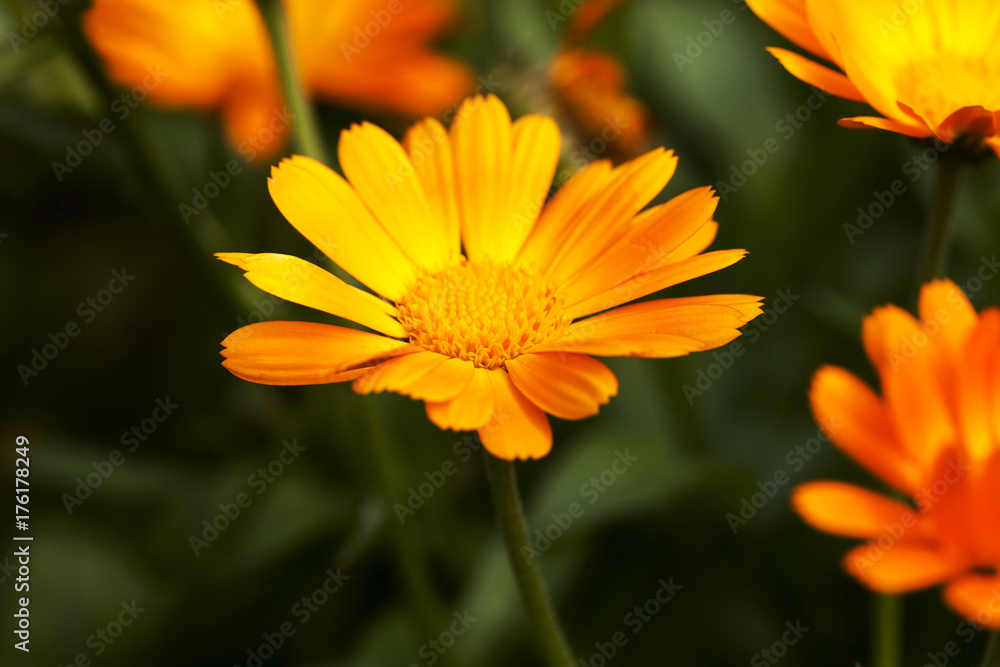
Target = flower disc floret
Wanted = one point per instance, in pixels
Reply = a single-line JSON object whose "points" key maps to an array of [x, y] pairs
{"points": [[483, 312]]}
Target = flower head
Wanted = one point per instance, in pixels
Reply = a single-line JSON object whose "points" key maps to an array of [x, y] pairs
{"points": [[367, 54], [482, 295], [589, 86], [929, 69], [933, 435]]}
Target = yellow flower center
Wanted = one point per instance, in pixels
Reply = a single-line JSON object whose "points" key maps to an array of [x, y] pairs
{"points": [[480, 311], [944, 83]]}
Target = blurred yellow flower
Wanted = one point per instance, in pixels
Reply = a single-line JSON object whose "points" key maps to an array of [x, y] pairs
{"points": [[484, 295], [367, 54], [929, 67], [934, 436]]}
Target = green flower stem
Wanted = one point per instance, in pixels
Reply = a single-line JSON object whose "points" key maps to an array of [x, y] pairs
{"points": [[510, 518], [305, 130], [887, 630], [940, 226], [992, 656]]}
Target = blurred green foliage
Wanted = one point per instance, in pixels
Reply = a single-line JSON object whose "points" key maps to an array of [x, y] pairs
{"points": [[335, 508]]}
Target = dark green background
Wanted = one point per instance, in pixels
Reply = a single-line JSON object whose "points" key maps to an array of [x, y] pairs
{"points": [[664, 518]]}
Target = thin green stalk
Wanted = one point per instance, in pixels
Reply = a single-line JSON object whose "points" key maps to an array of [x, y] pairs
{"points": [[888, 631], [305, 130], [992, 656], [940, 225], [510, 518]]}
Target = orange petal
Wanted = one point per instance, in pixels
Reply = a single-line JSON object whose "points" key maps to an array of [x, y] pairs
{"points": [[305, 283], [430, 152], [976, 381], [648, 282], [817, 75], [907, 360], [381, 173], [854, 418], [517, 429], [878, 123], [563, 212], [943, 303], [633, 330], [977, 597], [845, 509], [468, 410], [697, 244], [481, 142], [899, 567], [790, 18], [423, 375], [974, 120], [649, 243], [534, 158], [570, 386], [503, 172], [325, 209], [609, 215], [392, 70], [291, 353]]}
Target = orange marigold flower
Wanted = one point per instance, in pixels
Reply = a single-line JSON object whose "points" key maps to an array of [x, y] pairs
{"points": [[590, 86], [930, 71], [933, 435], [367, 54], [484, 297]]}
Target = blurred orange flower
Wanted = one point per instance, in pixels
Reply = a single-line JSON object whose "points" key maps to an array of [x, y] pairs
{"points": [[930, 67], [934, 436], [590, 87], [483, 294], [367, 54]]}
